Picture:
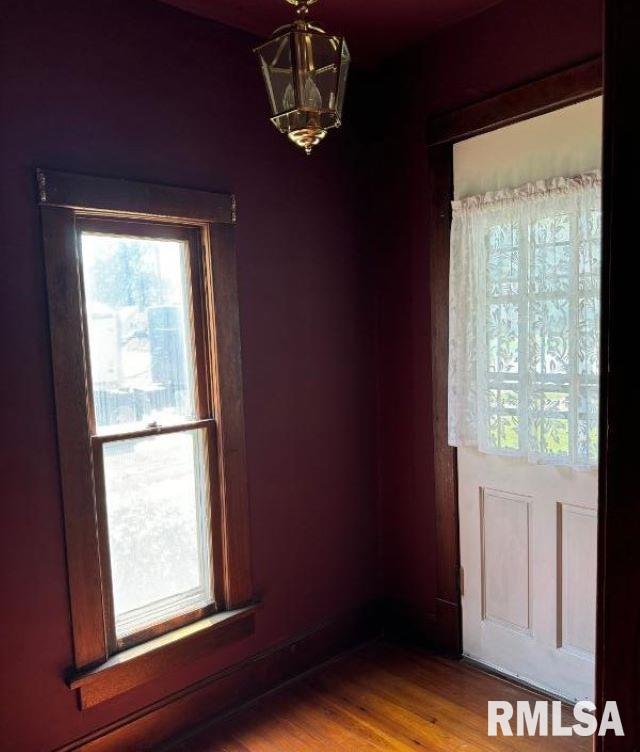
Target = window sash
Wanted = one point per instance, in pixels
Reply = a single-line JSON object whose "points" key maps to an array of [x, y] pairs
{"points": [[158, 231], [185, 615], [67, 200], [100, 437]]}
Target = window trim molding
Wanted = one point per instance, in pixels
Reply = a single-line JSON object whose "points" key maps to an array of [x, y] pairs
{"points": [[133, 198], [134, 666], [64, 198]]}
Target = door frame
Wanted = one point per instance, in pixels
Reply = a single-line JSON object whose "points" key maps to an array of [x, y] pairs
{"points": [[566, 87], [618, 617]]}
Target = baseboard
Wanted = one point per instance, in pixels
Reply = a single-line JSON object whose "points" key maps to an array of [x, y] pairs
{"points": [[437, 631], [404, 623], [449, 629], [232, 687]]}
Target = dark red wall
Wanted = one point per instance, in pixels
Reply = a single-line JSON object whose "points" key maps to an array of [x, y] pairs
{"points": [[134, 88], [131, 88], [505, 46]]}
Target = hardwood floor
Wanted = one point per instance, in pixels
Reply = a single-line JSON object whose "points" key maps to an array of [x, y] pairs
{"points": [[381, 697]]}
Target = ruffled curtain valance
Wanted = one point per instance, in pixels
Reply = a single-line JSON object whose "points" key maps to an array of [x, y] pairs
{"points": [[524, 326]]}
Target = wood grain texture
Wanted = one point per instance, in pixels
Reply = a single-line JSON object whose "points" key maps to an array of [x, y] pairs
{"points": [[133, 198], [448, 611], [199, 703], [69, 205], [558, 90], [381, 697], [74, 446], [142, 663], [220, 274]]}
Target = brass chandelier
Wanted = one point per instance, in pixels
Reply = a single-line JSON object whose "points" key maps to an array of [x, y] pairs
{"points": [[305, 72]]}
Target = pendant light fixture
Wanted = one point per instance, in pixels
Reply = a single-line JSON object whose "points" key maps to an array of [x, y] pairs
{"points": [[305, 72]]}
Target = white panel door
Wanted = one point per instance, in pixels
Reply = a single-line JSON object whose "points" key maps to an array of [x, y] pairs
{"points": [[528, 532], [528, 551]]}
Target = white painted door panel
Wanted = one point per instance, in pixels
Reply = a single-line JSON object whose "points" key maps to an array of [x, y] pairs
{"points": [[528, 532], [528, 550]]}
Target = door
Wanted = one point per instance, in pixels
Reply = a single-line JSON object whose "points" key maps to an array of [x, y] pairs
{"points": [[528, 515], [528, 550]]}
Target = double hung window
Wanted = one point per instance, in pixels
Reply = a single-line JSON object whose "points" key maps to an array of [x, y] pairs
{"points": [[146, 356]]}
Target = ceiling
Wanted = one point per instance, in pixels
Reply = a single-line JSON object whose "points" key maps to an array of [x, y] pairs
{"points": [[375, 29]]}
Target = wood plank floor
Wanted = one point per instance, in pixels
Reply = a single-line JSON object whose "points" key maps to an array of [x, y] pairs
{"points": [[381, 697]]}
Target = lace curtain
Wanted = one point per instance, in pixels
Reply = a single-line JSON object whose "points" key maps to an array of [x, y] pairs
{"points": [[524, 326]]}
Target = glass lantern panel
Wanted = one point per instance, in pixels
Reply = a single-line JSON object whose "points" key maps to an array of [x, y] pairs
{"points": [[345, 59], [275, 61], [318, 57]]}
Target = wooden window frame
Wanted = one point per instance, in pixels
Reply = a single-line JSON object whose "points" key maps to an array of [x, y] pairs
{"points": [[204, 420], [104, 666]]}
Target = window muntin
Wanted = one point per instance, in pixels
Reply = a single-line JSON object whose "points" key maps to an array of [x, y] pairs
{"points": [[524, 322], [70, 204], [555, 259], [540, 257], [151, 427]]}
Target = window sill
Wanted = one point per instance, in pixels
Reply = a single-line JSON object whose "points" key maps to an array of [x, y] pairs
{"points": [[142, 663]]}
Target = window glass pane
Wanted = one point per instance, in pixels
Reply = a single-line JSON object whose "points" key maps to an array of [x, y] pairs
{"points": [[503, 260], [158, 526], [140, 335], [502, 338], [503, 417]]}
